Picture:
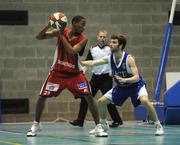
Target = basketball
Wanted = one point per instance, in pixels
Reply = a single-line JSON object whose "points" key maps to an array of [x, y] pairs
{"points": [[58, 20]]}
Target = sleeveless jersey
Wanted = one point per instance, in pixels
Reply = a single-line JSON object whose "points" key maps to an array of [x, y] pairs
{"points": [[64, 61], [122, 69]]}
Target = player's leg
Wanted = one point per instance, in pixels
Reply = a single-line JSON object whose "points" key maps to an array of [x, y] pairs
{"points": [[84, 105], [39, 108], [106, 85], [152, 112], [149, 107], [92, 104], [116, 96], [101, 129], [102, 104], [79, 86], [49, 89], [36, 127], [83, 108], [143, 97]]}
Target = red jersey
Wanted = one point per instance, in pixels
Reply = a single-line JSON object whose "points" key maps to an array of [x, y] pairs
{"points": [[64, 61]]}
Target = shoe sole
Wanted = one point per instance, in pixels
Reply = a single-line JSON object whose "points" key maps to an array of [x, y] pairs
{"points": [[159, 134], [31, 135], [101, 135]]}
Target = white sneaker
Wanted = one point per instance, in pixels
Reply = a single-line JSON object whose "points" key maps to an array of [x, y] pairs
{"points": [[104, 126], [36, 127], [100, 132], [159, 130], [92, 132]]}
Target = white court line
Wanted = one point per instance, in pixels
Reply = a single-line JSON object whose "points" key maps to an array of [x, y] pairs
{"points": [[11, 132]]}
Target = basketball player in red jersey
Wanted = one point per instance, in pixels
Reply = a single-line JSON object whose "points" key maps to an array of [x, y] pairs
{"points": [[65, 71]]}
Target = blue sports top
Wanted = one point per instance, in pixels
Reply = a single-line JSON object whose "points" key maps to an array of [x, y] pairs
{"points": [[122, 69]]}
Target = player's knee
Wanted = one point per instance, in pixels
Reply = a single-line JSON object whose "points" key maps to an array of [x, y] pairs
{"points": [[101, 102], [42, 99], [88, 98], [144, 100]]}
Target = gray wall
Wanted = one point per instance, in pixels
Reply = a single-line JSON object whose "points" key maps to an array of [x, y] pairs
{"points": [[25, 61]]}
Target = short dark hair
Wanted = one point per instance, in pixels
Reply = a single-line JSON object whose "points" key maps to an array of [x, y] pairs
{"points": [[77, 19], [121, 40]]}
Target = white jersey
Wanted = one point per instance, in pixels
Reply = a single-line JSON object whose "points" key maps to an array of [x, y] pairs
{"points": [[98, 53]]}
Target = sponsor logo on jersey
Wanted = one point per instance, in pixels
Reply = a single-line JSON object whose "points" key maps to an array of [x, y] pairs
{"points": [[52, 87], [82, 85], [66, 64]]}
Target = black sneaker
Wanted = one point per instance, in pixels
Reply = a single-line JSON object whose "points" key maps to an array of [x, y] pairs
{"points": [[77, 123], [115, 124]]}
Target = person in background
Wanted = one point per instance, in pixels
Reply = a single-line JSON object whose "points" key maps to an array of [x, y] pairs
{"points": [[101, 80]]}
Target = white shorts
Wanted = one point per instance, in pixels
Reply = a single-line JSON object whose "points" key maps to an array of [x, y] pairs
{"points": [[123, 95]]}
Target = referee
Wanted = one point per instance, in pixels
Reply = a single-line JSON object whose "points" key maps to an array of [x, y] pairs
{"points": [[100, 80]]}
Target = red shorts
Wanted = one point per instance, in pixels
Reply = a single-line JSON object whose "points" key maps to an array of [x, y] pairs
{"points": [[56, 82]]}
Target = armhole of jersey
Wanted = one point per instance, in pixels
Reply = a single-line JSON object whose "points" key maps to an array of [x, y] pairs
{"points": [[81, 38], [79, 64], [127, 65], [55, 57], [109, 63]]}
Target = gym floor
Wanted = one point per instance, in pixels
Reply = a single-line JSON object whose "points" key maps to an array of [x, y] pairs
{"points": [[61, 133]]}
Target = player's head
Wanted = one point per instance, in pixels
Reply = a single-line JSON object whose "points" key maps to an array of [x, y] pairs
{"points": [[78, 24], [102, 37], [117, 42]]}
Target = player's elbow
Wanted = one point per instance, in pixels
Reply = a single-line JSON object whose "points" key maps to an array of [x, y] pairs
{"points": [[71, 51], [38, 37], [137, 78]]}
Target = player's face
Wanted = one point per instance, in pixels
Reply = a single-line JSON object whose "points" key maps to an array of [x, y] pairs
{"points": [[102, 38], [114, 45], [80, 26]]}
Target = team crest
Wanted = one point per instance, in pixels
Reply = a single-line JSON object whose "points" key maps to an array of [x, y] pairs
{"points": [[52, 87], [82, 85]]}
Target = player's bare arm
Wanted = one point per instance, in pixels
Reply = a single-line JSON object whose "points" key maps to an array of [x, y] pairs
{"points": [[100, 61], [73, 49], [133, 67], [45, 34]]}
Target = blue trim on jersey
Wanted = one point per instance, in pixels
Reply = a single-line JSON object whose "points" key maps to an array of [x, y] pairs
{"points": [[122, 70]]}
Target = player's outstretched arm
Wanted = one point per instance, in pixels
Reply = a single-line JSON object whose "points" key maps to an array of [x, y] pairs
{"points": [[45, 34], [100, 61]]}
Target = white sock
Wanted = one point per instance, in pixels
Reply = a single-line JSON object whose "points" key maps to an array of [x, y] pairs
{"points": [[103, 121], [158, 123]]}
